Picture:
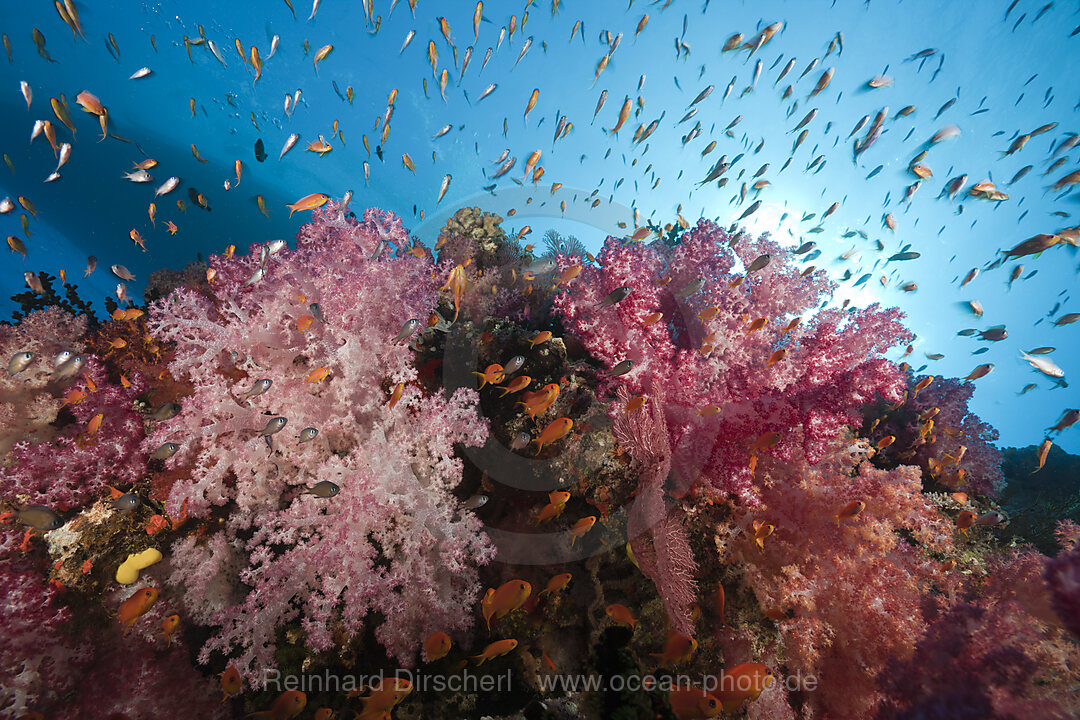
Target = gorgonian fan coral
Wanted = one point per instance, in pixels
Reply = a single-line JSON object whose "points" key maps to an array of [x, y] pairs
{"points": [[739, 357], [319, 322]]}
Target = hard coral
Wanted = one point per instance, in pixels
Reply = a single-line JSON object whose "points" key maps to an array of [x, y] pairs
{"points": [[393, 541]]}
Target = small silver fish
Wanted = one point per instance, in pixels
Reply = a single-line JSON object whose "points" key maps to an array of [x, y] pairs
{"points": [[40, 517], [615, 296], [1044, 365], [259, 274], [69, 368], [442, 131], [407, 329], [165, 451], [991, 518], [520, 440], [323, 489], [127, 502], [276, 246], [33, 281], [692, 288], [274, 425], [121, 292], [20, 361], [139, 176], [258, 388], [122, 272], [513, 364], [289, 142], [622, 368], [759, 263], [166, 187], [307, 434], [273, 46], [475, 502], [140, 73], [541, 267], [166, 411], [6, 206]]}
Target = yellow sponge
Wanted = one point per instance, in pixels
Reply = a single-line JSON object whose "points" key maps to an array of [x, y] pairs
{"points": [[128, 572]]}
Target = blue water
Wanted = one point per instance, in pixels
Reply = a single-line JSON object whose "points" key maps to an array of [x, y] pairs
{"points": [[986, 64]]}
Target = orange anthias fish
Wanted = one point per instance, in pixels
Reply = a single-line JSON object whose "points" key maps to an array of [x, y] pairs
{"points": [[884, 442], [516, 385], [764, 442], [304, 322], [396, 395], [677, 649], [762, 531], [509, 597], [635, 403], [540, 337], [720, 600], [621, 614], [317, 375], [1044, 450], [849, 511], [492, 375], [689, 703], [308, 202], [456, 284], [288, 705], [556, 584], [436, 646], [383, 697], [495, 649], [742, 682], [581, 527], [230, 682], [169, 626], [135, 606], [965, 520], [555, 430], [537, 403]]}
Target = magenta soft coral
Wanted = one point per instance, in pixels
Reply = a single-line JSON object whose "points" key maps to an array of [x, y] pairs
{"points": [[393, 541], [706, 352], [69, 465]]}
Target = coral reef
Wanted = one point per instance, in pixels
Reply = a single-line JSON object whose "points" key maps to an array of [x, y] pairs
{"points": [[320, 324]]}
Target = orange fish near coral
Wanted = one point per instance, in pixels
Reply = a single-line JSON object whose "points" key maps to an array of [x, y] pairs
{"points": [[169, 626], [849, 511], [436, 646], [516, 385], [556, 584], [764, 442], [537, 403], [456, 284], [308, 202], [230, 682], [1044, 450], [621, 614], [317, 375], [581, 527], [540, 337], [136, 606], [288, 705], [304, 322], [677, 649], [762, 531], [383, 697], [555, 430], [743, 682], [495, 649], [509, 597], [492, 375], [396, 395], [965, 520], [689, 703]]}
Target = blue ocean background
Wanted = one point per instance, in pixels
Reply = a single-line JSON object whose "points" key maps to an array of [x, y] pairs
{"points": [[1019, 69]]}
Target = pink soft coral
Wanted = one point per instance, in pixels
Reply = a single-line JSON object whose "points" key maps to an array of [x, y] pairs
{"points": [[705, 353], [851, 590], [394, 541]]}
